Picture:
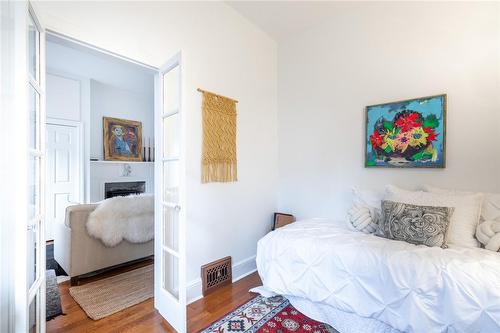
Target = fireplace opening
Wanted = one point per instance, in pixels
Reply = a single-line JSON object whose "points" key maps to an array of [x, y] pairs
{"points": [[123, 189]]}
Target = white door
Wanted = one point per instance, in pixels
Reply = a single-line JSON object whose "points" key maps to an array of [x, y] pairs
{"points": [[63, 173], [22, 261], [170, 263], [35, 307]]}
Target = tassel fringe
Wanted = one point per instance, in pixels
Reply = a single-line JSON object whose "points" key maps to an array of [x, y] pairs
{"points": [[219, 172]]}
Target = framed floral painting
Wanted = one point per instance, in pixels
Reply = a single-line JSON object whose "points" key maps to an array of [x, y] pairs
{"points": [[122, 139], [407, 134]]}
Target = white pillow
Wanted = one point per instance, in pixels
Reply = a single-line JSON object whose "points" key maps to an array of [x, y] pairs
{"points": [[490, 209], [465, 217], [370, 198], [365, 211], [362, 218], [488, 233]]}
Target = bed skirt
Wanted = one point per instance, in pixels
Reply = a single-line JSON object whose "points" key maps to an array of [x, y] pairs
{"points": [[342, 321]]}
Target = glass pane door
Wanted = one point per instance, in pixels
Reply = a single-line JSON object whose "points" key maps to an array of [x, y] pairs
{"points": [[171, 180], [35, 223], [170, 298]]}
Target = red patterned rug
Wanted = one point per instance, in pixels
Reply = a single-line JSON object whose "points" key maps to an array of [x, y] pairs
{"points": [[267, 315]]}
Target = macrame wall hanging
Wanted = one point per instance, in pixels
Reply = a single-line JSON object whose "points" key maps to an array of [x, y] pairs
{"points": [[218, 162]]}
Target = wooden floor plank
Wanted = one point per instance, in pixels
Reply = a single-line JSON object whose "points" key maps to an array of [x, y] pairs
{"points": [[143, 318], [214, 306]]}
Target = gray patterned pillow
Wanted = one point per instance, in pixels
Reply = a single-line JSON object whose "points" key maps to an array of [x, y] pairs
{"points": [[415, 224]]}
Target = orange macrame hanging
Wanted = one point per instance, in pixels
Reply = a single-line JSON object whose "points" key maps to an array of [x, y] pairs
{"points": [[219, 162]]}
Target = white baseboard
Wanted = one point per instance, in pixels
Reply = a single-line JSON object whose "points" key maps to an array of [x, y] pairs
{"points": [[241, 269], [193, 291]]}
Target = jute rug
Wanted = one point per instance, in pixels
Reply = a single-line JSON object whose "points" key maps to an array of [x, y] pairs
{"points": [[102, 298], [268, 315]]}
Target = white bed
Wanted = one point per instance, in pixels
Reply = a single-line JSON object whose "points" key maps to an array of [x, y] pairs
{"points": [[363, 283]]}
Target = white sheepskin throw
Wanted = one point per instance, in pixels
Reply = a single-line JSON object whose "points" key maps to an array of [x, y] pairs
{"points": [[119, 218], [488, 233]]}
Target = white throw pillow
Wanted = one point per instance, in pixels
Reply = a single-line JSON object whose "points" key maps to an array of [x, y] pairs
{"points": [[490, 209], [365, 211], [465, 217], [362, 218], [488, 233]]}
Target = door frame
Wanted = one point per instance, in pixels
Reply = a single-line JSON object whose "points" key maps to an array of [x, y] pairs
{"points": [[60, 35], [13, 212], [157, 94]]}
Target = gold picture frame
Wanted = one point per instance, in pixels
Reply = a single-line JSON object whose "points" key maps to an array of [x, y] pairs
{"points": [[122, 139]]}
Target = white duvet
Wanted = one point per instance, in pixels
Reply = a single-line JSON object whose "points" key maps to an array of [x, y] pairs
{"points": [[411, 288]]}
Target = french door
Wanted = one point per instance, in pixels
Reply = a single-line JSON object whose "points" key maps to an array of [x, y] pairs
{"points": [[22, 262], [170, 263], [36, 171]]}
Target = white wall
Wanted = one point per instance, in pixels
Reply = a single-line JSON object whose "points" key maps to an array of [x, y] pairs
{"points": [[117, 89], [368, 53], [221, 52], [64, 97], [110, 101], [69, 57]]}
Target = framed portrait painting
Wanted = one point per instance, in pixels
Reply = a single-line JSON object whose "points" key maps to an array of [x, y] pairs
{"points": [[407, 134], [122, 139]]}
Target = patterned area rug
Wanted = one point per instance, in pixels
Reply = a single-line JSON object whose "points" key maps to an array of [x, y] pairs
{"points": [[267, 315], [52, 296]]}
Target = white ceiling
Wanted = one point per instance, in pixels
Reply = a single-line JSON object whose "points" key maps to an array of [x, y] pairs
{"points": [[281, 19], [66, 56]]}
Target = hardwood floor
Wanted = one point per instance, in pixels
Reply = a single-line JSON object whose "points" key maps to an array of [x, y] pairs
{"points": [[138, 318], [143, 317], [214, 306]]}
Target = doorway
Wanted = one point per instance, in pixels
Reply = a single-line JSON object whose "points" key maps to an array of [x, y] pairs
{"points": [[78, 171], [23, 236]]}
